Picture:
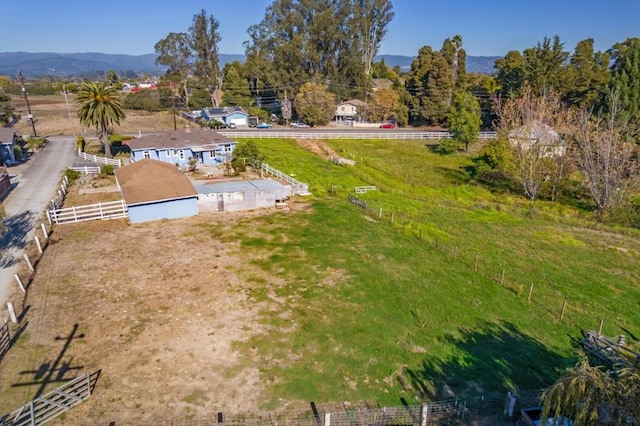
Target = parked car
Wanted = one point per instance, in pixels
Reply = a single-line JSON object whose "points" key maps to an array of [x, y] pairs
{"points": [[231, 125], [299, 124], [388, 126], [264, 126]]}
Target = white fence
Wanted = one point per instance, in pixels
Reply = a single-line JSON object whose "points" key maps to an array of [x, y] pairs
{"points": [[43, 409], [364, 189], [87, 170], [297, 187], [56, 202], [100, 160], [349, 135], [100, 211]]}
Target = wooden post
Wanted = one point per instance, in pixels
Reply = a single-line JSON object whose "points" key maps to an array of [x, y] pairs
{"points": [[38, 244], [44, 229], [564, 306], [600, 327], [380, 213], [455, 252], [424, 414], [502, 278], [393, 215], [436, 242], [475, 264], [530, 293], [327, 419], [19, 281], [420, 234], [29, 264], [12, 313]]}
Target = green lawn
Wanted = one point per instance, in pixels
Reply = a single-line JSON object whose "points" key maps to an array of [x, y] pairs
{"points": [[378, 311]]}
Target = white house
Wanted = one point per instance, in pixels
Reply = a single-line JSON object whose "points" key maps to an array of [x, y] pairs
{"points": [[350, 110], [539, 136]]}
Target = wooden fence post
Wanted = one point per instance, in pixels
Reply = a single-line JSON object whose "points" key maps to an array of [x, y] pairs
{"points": [[19, 281], [380, 213], [44, 229], [393, 215], [564, 306], [29, 264], [424, 414], [436, 242], [455, 252], [12, 313], [38, 244], [420, 234], [475, 264], [502, 278], [327, 419], [600, 327], [530, 293]]}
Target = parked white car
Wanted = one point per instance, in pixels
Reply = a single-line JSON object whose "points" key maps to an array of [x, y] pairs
{"points": [[299, 124]]}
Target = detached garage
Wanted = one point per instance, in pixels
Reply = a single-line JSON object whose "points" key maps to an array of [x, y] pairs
{"points": [[241, 195], [155, 190]]}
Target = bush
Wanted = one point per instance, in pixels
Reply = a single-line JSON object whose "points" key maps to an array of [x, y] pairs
{"points": [[72, 175], [107, 169], [35, 144], [80, 143], [17, 152]]}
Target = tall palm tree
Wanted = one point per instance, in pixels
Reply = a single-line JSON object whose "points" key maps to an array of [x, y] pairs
{"points": [[100, 106]]}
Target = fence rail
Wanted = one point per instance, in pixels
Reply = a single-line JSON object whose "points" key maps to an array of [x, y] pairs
{"points": [[100, 160], [297, 187], [350, 135], [5, 339], [43, 409], [87, 170], [100, 211]]}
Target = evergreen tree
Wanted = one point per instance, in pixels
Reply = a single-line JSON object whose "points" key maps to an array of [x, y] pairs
{"points": [[235, 87], [511, 73], [463, 119], [203, 42], [588, 72], [456, 57], [429, 83], [625, 83], [544, 66]]}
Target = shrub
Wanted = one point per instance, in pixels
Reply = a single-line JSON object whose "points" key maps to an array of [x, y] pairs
{"points": [[72, 175], [17, 152], [107, 169], [80, 143], [35, 144]]}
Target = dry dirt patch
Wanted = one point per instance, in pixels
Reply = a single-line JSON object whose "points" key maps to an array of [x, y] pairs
{"points": [[159, 306]]}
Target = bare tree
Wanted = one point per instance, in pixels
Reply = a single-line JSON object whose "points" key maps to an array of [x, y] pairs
{"points": [[606, 159], [533, 126]]}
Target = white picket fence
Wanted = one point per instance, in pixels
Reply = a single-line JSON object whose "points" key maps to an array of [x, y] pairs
{"points": [[100, 211], [297, 187], [364, 189], [100, 160], [403, 135]]}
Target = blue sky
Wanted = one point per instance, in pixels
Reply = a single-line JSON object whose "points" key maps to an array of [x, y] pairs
{"points": [[489, 27]]}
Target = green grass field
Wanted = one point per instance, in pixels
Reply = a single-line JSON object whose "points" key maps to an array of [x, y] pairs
{"points": [[380, 310]]}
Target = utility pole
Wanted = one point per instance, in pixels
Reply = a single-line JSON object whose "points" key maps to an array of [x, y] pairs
{"points": [[26, 100], [173, 109], [73, 128]]}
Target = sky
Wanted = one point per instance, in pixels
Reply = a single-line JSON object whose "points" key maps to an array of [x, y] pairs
{"points": [[487, 27]]}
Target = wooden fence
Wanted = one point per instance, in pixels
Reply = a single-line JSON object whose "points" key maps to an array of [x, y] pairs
{"points": [[297, 187], [100, 211], [100, 160], [403, 135], [5, 339], [43, 409], [87, 170]]}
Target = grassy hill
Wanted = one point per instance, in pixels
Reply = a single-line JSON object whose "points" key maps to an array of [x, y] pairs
{"points": [[419, 301]]}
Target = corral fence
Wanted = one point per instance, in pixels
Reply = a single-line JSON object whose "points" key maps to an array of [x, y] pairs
{"points": [[87, 170], [100, 160], [100, 211], [5, 339], [454, 411], [297, 187], [43, 409], [435, 135]]}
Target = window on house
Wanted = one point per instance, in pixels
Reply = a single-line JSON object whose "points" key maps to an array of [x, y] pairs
{"points": [[228, 148], [168, 154], [212, 154], [342, 108], [173, 152], [146, 154], [181, 154]]}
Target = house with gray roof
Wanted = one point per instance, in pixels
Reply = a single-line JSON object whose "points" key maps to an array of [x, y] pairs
{"points": [[206, 146], [8, 141]]}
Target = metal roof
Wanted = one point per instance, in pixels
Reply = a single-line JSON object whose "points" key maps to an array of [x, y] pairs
{"points": [[239, 185]]}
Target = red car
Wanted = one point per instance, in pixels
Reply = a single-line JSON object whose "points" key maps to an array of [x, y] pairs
{"points": [[388, 126]]}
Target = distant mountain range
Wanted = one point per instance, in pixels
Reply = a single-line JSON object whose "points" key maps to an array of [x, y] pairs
{"points": [[34, 65]]}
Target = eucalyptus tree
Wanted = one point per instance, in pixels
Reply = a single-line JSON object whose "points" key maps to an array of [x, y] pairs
{"points": [[204, 36], [456, 57], [511, 73], [235, 86], [174, 52], [100, 106]]}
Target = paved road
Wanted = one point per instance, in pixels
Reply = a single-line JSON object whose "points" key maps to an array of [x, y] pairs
{"points": [[35, 184]]}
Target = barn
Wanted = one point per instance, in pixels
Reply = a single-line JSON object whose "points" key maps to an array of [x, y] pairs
{"points": [[241, 195], [155, 190]]}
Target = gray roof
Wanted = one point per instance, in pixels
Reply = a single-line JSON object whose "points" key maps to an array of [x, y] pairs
{"points": [[239, 185], [7, 134], [181, 138]]}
